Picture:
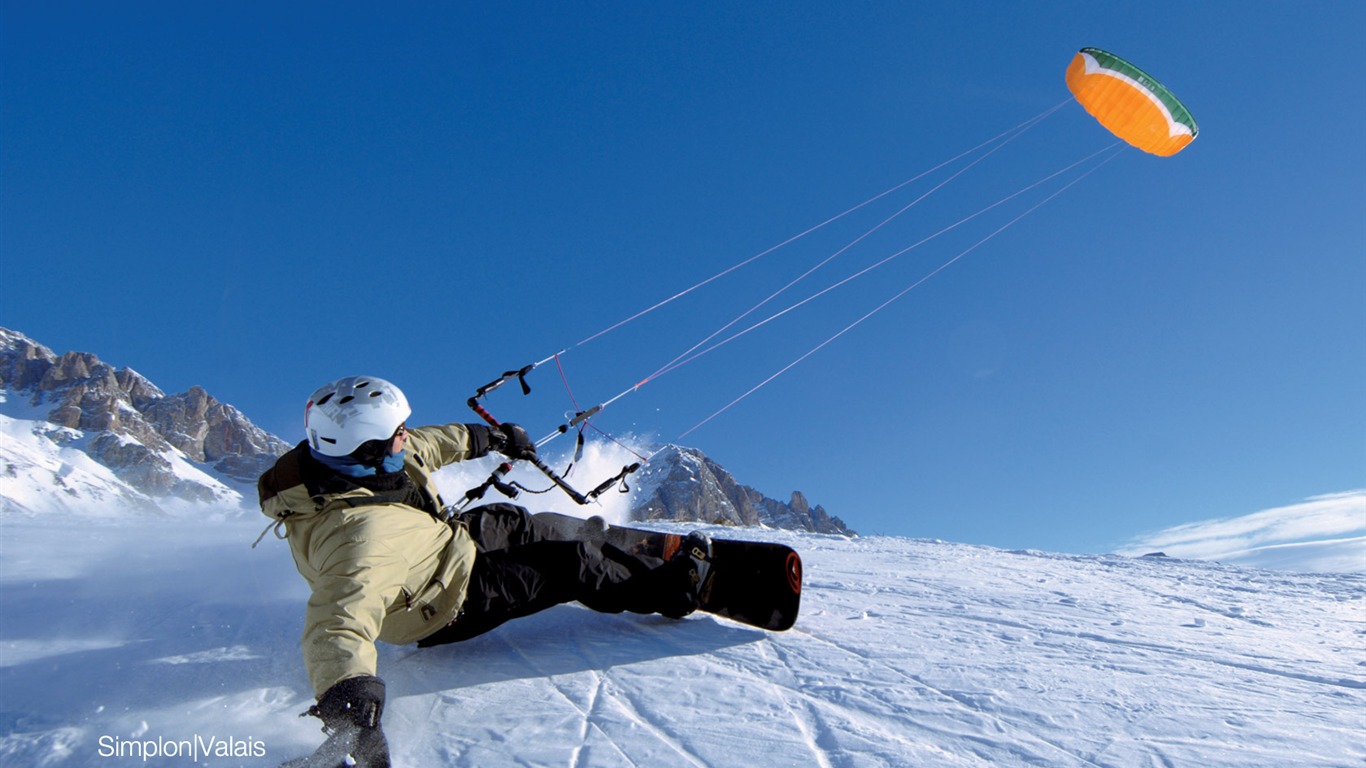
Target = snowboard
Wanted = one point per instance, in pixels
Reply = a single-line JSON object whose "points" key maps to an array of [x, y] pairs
{"points": [[752, 582]]}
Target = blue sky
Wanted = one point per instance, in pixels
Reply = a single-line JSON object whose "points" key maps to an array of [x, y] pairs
{"points": [[257, 198]]}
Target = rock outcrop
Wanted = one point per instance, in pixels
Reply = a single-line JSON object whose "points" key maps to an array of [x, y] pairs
{"points": [[684, 484], [125, 423]]}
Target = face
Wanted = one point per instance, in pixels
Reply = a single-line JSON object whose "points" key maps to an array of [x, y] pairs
{"points": [[400, 440]]}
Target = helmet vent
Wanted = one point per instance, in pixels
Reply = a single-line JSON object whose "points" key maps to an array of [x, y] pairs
{"points": [[344, 414]]}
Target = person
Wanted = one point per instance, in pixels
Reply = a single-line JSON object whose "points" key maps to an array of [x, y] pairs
{"points": [[367, 528]]}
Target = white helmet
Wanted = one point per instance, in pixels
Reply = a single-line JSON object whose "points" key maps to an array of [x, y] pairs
{"points": [[350, 411]]}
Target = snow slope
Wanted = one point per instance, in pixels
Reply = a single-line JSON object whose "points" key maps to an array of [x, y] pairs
{"points": [[1322, 533], [48, 469], [908, 652]]}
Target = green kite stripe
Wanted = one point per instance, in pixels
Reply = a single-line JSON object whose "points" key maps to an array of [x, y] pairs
{"points": [[1098, 61]]}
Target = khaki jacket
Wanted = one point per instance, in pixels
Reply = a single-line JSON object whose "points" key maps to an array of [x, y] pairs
{"points": [[378, 570]]}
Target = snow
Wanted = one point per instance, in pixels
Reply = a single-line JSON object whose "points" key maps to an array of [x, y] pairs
{"points": [[600, 460], [1322, 533], [43, 469], [169, 632], [38, 457]]}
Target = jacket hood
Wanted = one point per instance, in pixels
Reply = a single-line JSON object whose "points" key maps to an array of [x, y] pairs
{"points": [[289, 489]]}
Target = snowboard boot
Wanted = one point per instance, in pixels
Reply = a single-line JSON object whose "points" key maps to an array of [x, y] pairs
{"points": [[687, 575], [697, 547]]}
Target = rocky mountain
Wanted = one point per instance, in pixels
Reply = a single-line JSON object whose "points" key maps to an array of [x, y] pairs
{"points": [[684, 484], [79, 435], [94, 434]]}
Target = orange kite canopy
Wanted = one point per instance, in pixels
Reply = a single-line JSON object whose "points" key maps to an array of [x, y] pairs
{"points": [[1130, 103]]}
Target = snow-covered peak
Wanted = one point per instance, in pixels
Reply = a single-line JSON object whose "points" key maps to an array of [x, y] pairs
{"points": [[673, 483], [81, 436], [680, 483]]}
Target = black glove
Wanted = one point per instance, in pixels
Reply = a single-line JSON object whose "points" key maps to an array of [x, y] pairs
{"points": [[512, 441], [350, 711]]}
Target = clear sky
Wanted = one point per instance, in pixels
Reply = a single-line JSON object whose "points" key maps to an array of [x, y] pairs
{"points": [[260, 197]]}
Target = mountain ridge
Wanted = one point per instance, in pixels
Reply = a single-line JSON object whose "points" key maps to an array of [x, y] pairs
{"points": [[186, 447], [101, 436], [684, 484]]}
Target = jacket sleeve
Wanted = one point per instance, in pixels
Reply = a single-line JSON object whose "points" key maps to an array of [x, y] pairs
{"points": [[446, 444], [350, 597]]}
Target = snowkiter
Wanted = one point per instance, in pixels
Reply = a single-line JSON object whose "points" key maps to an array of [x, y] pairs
{"points": [[367, 528]]}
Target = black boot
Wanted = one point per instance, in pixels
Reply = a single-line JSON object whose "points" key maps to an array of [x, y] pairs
{"points": [[685, 578]]}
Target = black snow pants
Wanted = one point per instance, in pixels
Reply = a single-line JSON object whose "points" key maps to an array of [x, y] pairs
{"points": [[521, 568]]}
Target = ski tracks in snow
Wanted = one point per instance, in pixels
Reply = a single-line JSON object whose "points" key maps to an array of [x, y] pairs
{"points": [[1034, 658], [906, 653], [582, 673], [924, 653], [907, 704], [585, 692]]}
